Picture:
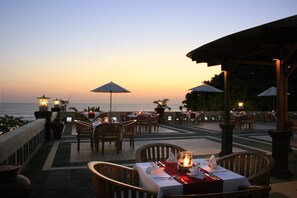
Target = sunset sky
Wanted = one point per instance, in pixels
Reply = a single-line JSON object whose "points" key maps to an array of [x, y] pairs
{"points": [[63, 47]]}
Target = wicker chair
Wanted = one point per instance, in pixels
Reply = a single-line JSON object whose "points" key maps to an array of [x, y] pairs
{"points": [[244, 192], [143, 123], [112, 180], [129, 131], [108, 132], [255, 167], [247, 122], [156, 152], [83, 130], [154, 122], [181, 118], [200, 118], [79, 116]]}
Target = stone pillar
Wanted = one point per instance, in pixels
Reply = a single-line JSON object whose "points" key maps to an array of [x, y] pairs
{"points": [[280, 153], [47, 115], [227, 139]]}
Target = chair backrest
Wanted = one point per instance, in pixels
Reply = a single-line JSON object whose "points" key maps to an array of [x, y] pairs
{"points": [[156, 152], [129, 126], [83, 127], [109, 129], [102, 116], [247, 192], [154, 119], [142, 119], [79, 116], [255, 167], [113, 180]]}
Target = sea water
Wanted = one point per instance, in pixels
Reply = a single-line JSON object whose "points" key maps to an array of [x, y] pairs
{"points": [[26, 110]]}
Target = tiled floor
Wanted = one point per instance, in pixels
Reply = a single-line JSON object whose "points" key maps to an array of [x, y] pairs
{"points": [[59, 170]]}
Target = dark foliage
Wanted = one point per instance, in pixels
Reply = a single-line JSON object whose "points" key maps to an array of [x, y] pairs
{"points": [[245, 84], [9, 123]]}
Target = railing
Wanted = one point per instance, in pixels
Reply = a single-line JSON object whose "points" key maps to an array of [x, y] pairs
{"points": [[18, 146]]}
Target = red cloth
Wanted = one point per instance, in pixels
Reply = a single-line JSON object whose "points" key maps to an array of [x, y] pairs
{"points": [[194, 186], [192, 115], [91, 115]]}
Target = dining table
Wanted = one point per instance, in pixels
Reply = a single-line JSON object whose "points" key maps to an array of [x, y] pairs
{"points": [[91, 115], [165, 179], [192, 115]]}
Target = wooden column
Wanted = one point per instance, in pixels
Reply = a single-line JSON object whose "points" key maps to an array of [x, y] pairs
{"points": [[281, 137], [281, 106], [227, 127], [226, 98]]}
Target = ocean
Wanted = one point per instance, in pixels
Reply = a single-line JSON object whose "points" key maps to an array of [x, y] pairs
{"points": [[26, 110]]}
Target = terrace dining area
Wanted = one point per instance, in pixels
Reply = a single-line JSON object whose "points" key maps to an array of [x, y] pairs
{"points": [[59, 169]]}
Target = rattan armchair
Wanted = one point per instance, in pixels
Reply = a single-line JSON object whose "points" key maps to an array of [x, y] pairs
{"points": [[244, 192], [156, 152], [113, 180], [154, 122], [110, 132], [143, 123], [79, 116], [181, 118], [255, 167], [129, 130], [83, 130]]}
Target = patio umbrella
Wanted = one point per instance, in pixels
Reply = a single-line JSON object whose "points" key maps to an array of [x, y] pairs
{"points": [[270, 92], [206, 88], [110, 87]]}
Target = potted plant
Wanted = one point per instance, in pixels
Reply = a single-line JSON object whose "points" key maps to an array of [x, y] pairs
{"points": [[161, 106]]}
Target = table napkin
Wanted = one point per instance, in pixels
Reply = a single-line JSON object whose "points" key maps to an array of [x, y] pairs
{"points": [[196, 172], [153, 168], [171, 158], [212, 162]]}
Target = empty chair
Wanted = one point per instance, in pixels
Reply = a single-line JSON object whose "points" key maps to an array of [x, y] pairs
{"points": [[124, 117], [255, 167], [247, 122], [154, 122], [143, 123], [181, 118], [245, 192], [111, 132], [156, 152], [113, 180], [267, 116], [200, 118], [79, 116], [129, 131], [83, 130]]}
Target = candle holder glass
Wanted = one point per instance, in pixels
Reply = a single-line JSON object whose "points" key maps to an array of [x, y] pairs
{"points": [[185, 161]]}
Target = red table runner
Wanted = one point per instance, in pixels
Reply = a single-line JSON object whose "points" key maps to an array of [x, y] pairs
{"points": [[192, 185]]}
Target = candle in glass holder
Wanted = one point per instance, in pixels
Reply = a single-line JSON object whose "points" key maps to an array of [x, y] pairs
{"points": [[185, 161]]}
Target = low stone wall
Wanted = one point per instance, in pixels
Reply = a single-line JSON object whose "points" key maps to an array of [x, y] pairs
{"points": [[170, 116], [18, 146]]}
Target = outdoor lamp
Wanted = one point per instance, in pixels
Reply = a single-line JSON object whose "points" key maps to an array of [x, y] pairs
{"points": [[185, 161], [43, 103], [240, 105], [57, 103]]}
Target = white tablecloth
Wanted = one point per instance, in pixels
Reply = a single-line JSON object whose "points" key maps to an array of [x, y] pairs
{"points": [[164, 186], [96, 114]]}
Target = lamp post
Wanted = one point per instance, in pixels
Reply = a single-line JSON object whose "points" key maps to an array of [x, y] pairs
{"points": [[57, 107], [57, 125], [240, 105], [43, 113], [43, 103], [57, 103]]}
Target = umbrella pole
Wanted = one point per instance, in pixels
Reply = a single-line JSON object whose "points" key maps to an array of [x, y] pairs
{"points": [[110, 97]]}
